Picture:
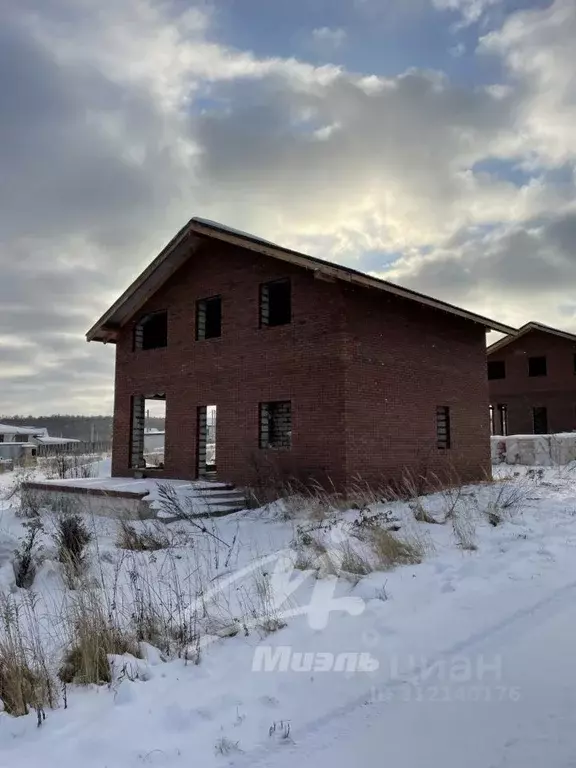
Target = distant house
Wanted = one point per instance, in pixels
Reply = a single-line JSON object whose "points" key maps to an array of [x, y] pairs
{"points": [[22, 442], [315, 371], [13, 434], [19, 442], [532, 380], [57, 442], [154, 440]]}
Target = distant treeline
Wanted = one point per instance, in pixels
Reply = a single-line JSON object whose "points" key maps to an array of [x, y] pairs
{"points": [[86, 428]]}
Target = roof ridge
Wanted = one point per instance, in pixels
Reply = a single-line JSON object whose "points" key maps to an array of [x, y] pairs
{"points": [[526, 328], [133, 298]]}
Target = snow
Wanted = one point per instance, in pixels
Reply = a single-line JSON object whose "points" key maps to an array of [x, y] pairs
{"points": [[47, 440], [126, 484], [10, 429], [532, 450], [473, 652], [145, 486], [225, 228]]}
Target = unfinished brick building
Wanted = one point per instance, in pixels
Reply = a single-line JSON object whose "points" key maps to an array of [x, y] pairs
{"points": [[315, 371], [532, 379]]}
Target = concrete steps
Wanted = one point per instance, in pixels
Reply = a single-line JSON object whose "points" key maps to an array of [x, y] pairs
{"points": [[213, 500], [133, 498]]}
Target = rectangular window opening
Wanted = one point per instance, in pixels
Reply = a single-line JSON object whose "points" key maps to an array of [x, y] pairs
{"points": [[151, 331], [496, 369], [275, 303], [443, 427], [540, 419], [209, 318], [148, 431], [537, 366], [276, 425]]}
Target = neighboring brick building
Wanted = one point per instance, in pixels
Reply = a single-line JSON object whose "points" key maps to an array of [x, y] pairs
{"points": [[316, 370], [532, 379]]}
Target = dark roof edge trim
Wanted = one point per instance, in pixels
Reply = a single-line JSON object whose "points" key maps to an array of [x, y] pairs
{"points": [[104, 329]]}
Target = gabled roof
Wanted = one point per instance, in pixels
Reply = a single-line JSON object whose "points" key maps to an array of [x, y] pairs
{"points": [[11, 429], [181, 247], [532, 326], [47, 440]]}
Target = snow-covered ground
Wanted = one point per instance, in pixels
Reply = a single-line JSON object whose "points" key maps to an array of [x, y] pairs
{"points": [[462, 659]]}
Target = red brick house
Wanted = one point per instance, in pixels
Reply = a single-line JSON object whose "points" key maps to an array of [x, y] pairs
{"points": [[532, 380], [316, 370]]}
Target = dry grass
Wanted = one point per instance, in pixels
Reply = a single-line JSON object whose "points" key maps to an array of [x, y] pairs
{"points": [[65, 465], [93, 638], [390, 550], [72, 538], [361, 495], [464, 529], [31, 503], [297, 500], [305, 560], [147, 540], [20, 689], [499, 500], [311, 501], [25, 679], [164, 611], [354, 562], [452, 498], [421, 514], [509, 494], [258, 604], [27, 555], [312, 554], [225, 746]]}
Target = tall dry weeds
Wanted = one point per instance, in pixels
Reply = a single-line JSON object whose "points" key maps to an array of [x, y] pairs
{"points": [[26, 681], [93, 635]]}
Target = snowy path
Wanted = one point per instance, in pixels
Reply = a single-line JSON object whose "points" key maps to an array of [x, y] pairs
{"points": [[525, 718]]}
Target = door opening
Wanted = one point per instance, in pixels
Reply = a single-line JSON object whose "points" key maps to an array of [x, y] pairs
{"points": [[502, 419], [206, 441], [540, 417], [148, 431]]}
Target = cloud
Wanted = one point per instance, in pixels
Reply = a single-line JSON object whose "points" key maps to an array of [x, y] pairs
{"points": [[522, 269], [500, 267], [537, 48], [119, 121], [86, 159], [470, 10], [329, 37], [389, 167]]}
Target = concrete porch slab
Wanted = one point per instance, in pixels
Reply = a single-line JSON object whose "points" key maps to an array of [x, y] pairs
{"points": [[129, 498]]}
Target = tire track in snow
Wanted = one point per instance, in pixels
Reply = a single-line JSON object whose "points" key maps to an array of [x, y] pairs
{"points": [[490, 639]]}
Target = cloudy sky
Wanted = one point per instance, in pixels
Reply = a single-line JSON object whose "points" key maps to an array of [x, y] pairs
{"points": [[429, 141]]}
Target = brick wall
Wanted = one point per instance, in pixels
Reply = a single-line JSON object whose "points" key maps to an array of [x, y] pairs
{"points": [[405, 359], [364, 372], [521, 393], [301, 362]]}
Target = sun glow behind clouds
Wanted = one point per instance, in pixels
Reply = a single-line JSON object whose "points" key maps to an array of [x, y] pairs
{"points": [[137, 116]]}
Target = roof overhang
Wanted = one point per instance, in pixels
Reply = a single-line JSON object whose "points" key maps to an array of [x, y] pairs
{"points": [[528, 328], [185, 243]]}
